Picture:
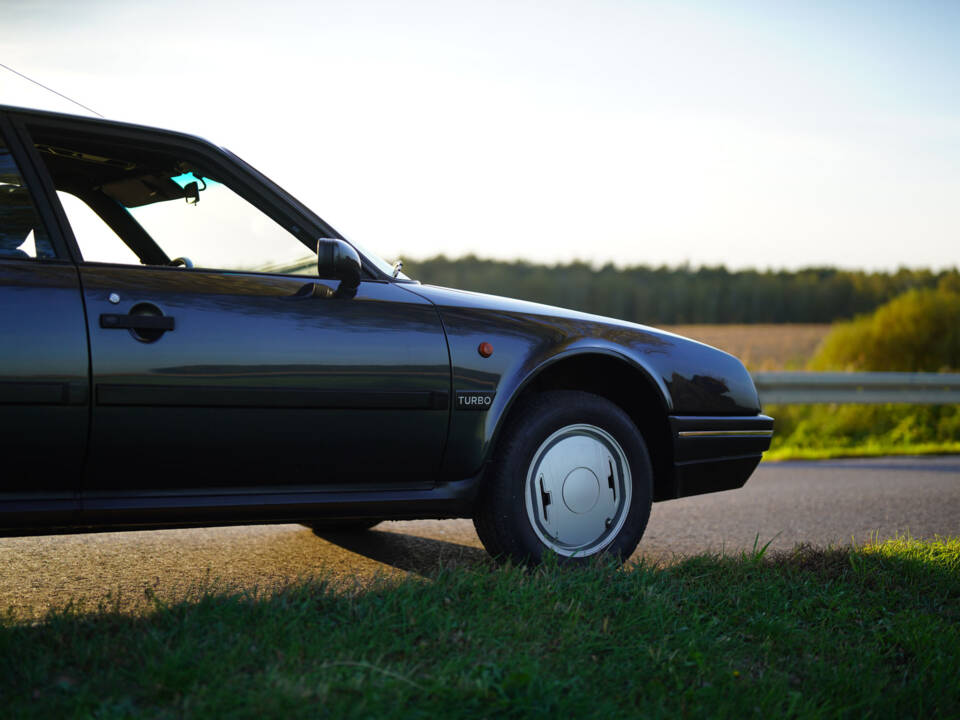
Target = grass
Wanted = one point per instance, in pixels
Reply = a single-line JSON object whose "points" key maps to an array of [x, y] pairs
{"points": [[870, 448], [863, 632], [809, 432]]}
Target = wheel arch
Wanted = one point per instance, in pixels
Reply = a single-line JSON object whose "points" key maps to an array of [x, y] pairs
{"points": [[620, 380]]}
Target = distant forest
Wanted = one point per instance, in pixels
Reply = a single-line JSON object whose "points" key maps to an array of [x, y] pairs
{"points": [[683, 294]]}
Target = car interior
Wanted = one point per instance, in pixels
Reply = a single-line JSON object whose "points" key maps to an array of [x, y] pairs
{"points": [[21, 234]]}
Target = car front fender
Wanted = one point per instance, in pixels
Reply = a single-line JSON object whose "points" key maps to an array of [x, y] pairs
{"points": [[522, 350]]}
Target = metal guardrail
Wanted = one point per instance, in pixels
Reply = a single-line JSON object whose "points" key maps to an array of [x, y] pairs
{"points": [[862, 387]]}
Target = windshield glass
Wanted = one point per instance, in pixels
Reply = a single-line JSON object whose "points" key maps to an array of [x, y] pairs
{"points": [[381, 264]]}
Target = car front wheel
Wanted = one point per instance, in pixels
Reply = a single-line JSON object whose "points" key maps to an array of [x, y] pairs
{"points": [[571, 475]]}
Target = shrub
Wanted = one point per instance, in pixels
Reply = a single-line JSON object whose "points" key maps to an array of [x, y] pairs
{"points": [[915, 332], [918, 331]]}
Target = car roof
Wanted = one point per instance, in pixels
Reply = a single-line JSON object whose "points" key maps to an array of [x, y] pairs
{"points": [[103, 123]]}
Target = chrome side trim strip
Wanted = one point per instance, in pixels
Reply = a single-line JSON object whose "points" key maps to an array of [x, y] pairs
{"points": [[725, 433]]}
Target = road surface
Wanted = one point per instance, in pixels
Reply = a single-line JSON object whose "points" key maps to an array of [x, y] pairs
{"points": [[822, 503]]}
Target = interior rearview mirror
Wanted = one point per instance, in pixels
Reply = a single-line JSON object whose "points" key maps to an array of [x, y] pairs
{"points": [[191, 191], [337, 260]]}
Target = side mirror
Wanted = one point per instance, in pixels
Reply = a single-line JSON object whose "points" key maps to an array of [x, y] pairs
{"points": [[336, 260]]}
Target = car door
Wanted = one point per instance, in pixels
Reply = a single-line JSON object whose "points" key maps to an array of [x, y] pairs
{"points": [[231, 372], [44, 381], [257, 383]]}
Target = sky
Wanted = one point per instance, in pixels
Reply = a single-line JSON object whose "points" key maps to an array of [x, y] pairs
{"points": [[749, 134]]}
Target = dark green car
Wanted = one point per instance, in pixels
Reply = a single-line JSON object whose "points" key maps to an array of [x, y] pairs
{"points": [[184, 343]]}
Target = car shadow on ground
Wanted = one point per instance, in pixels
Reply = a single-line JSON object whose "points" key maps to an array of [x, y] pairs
{"points": [[423, 556]]}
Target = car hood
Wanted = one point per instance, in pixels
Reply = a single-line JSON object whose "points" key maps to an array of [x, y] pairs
{"points": [[453, 298]]}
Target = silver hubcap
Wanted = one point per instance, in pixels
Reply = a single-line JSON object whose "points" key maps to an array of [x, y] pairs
{"points": [[578, 490]]}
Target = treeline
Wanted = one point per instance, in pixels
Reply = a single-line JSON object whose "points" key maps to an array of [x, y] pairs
{"points": [[683, 294]]}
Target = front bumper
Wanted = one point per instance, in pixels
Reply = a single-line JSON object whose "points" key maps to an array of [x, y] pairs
{"points": [[711, 454]]}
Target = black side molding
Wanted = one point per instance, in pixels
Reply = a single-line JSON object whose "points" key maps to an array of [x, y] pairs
{"points": [[260, 397], [43, 393]]}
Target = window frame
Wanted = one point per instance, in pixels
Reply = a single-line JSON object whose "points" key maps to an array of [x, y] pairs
{"points": [[245, 181], [35, 187]]}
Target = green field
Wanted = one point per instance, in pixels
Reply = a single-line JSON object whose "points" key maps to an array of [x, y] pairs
{"points": [[868, 632], [812, 432], [869, 449]]}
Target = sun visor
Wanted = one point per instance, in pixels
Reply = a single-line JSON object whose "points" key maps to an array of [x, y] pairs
{"points": [[144, 190]]}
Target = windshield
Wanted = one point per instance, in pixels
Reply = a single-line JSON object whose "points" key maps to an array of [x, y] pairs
{"points": [[381, 264]]}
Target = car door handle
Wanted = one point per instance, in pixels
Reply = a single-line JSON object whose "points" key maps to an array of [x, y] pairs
{"points": [[136, 322]]}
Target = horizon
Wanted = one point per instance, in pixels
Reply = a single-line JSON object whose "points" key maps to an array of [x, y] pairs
{"points": [[596, 266]]}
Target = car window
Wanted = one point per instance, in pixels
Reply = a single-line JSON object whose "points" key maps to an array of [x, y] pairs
{"points": [[22, 234], [140, 205], [219, 229], [94, 234]]}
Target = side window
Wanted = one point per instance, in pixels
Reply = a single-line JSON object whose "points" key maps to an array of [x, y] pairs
{"points": [[93, 234], [22, 234], [219, 229], [135, 204]]}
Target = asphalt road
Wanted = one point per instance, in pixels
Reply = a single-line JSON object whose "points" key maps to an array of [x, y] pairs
{"points": [[821, 503]]}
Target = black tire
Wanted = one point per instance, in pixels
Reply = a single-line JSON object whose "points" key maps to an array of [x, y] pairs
{"points": [[506, 515], [336, 525]]}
